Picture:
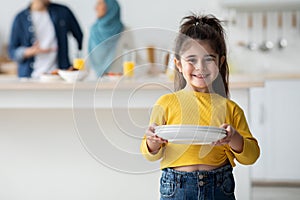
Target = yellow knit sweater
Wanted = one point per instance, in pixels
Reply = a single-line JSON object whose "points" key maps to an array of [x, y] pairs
{"points": [[205, 109]]}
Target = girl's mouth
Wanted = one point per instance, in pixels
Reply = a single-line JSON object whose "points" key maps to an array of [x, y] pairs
{"points": [[202, 76]]}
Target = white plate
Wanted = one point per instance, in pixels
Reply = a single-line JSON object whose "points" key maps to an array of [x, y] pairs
{"points": [[193, 127], [190, 134], [50, 78], [73, 76]]}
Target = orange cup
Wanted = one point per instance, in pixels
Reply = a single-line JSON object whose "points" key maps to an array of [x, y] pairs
{"points": [[128, 68], [78, 63]]}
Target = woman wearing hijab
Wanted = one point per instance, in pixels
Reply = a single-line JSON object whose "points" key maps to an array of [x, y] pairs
{"points": [[104, 36]]}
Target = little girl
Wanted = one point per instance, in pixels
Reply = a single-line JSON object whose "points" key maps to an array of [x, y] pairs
{"points": [[193, 171]]}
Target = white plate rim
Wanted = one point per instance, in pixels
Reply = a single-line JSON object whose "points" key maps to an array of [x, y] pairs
{"points": [[188, 126], [190, 129], [191, 137], [191, 132]]}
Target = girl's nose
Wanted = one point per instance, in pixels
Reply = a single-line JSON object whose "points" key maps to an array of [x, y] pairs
{"points": [[198, 65]]}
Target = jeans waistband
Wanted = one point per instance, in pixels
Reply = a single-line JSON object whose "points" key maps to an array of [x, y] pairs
{"points": [[213, 172]]}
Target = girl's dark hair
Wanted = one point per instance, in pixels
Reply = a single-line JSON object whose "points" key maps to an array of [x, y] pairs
{"points": [[207, 28]]}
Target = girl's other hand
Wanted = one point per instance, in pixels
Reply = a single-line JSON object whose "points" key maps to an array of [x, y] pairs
{"points": [[233, 138], [153, 141]]}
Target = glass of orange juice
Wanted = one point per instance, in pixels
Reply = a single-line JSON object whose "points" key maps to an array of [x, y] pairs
{"points": [[128, 68], [78, 63], [128, 62]]}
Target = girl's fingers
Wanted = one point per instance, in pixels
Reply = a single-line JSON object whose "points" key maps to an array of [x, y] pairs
{"points": [[229, 134], [223, 141], [152, 137], [156, 139], [224, 126], [151, 128], [150, 131]]}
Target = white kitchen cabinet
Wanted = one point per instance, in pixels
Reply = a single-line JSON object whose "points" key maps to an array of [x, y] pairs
{"points": [[274, 119], [257, 126]]}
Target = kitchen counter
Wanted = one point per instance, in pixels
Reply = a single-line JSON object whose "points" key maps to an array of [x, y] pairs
{"points": [[9, 82], [236, 81], [105, 93]]}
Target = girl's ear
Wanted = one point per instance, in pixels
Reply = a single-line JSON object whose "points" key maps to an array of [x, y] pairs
{"points": [[178, 64], [222, 60]]}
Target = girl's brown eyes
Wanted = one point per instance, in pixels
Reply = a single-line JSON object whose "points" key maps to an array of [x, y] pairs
{"points": [[208, 59], [205, 60], [192, 61]]}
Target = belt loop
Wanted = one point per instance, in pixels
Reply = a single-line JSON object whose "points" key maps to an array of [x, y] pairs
{"points": [[178, 180], [219, 176], [222, 175]]}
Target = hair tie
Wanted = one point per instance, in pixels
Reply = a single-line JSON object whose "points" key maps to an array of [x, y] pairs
{"points": [[199, 22]]}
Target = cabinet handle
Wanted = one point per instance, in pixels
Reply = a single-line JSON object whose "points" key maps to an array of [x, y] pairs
{"points": [[262, 114]]}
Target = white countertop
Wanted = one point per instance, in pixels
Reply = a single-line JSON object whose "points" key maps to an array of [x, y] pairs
{"points": [[10, 82], [236, 81]]}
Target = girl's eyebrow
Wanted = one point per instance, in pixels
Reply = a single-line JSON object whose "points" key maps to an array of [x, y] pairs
{"points": [[211, 55], [191, 56], [195, 56]]}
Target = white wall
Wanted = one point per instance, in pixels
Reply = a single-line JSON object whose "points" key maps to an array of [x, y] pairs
{"points": [[135, 13]]}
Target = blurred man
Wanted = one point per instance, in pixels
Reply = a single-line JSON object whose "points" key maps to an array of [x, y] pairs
{"points": [[38, 40]]}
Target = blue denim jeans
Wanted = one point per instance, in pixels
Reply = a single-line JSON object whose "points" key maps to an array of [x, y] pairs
{"points": [[217, 184]]}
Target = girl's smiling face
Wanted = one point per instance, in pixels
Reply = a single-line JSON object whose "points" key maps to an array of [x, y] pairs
{"points": [[199, 65]]}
